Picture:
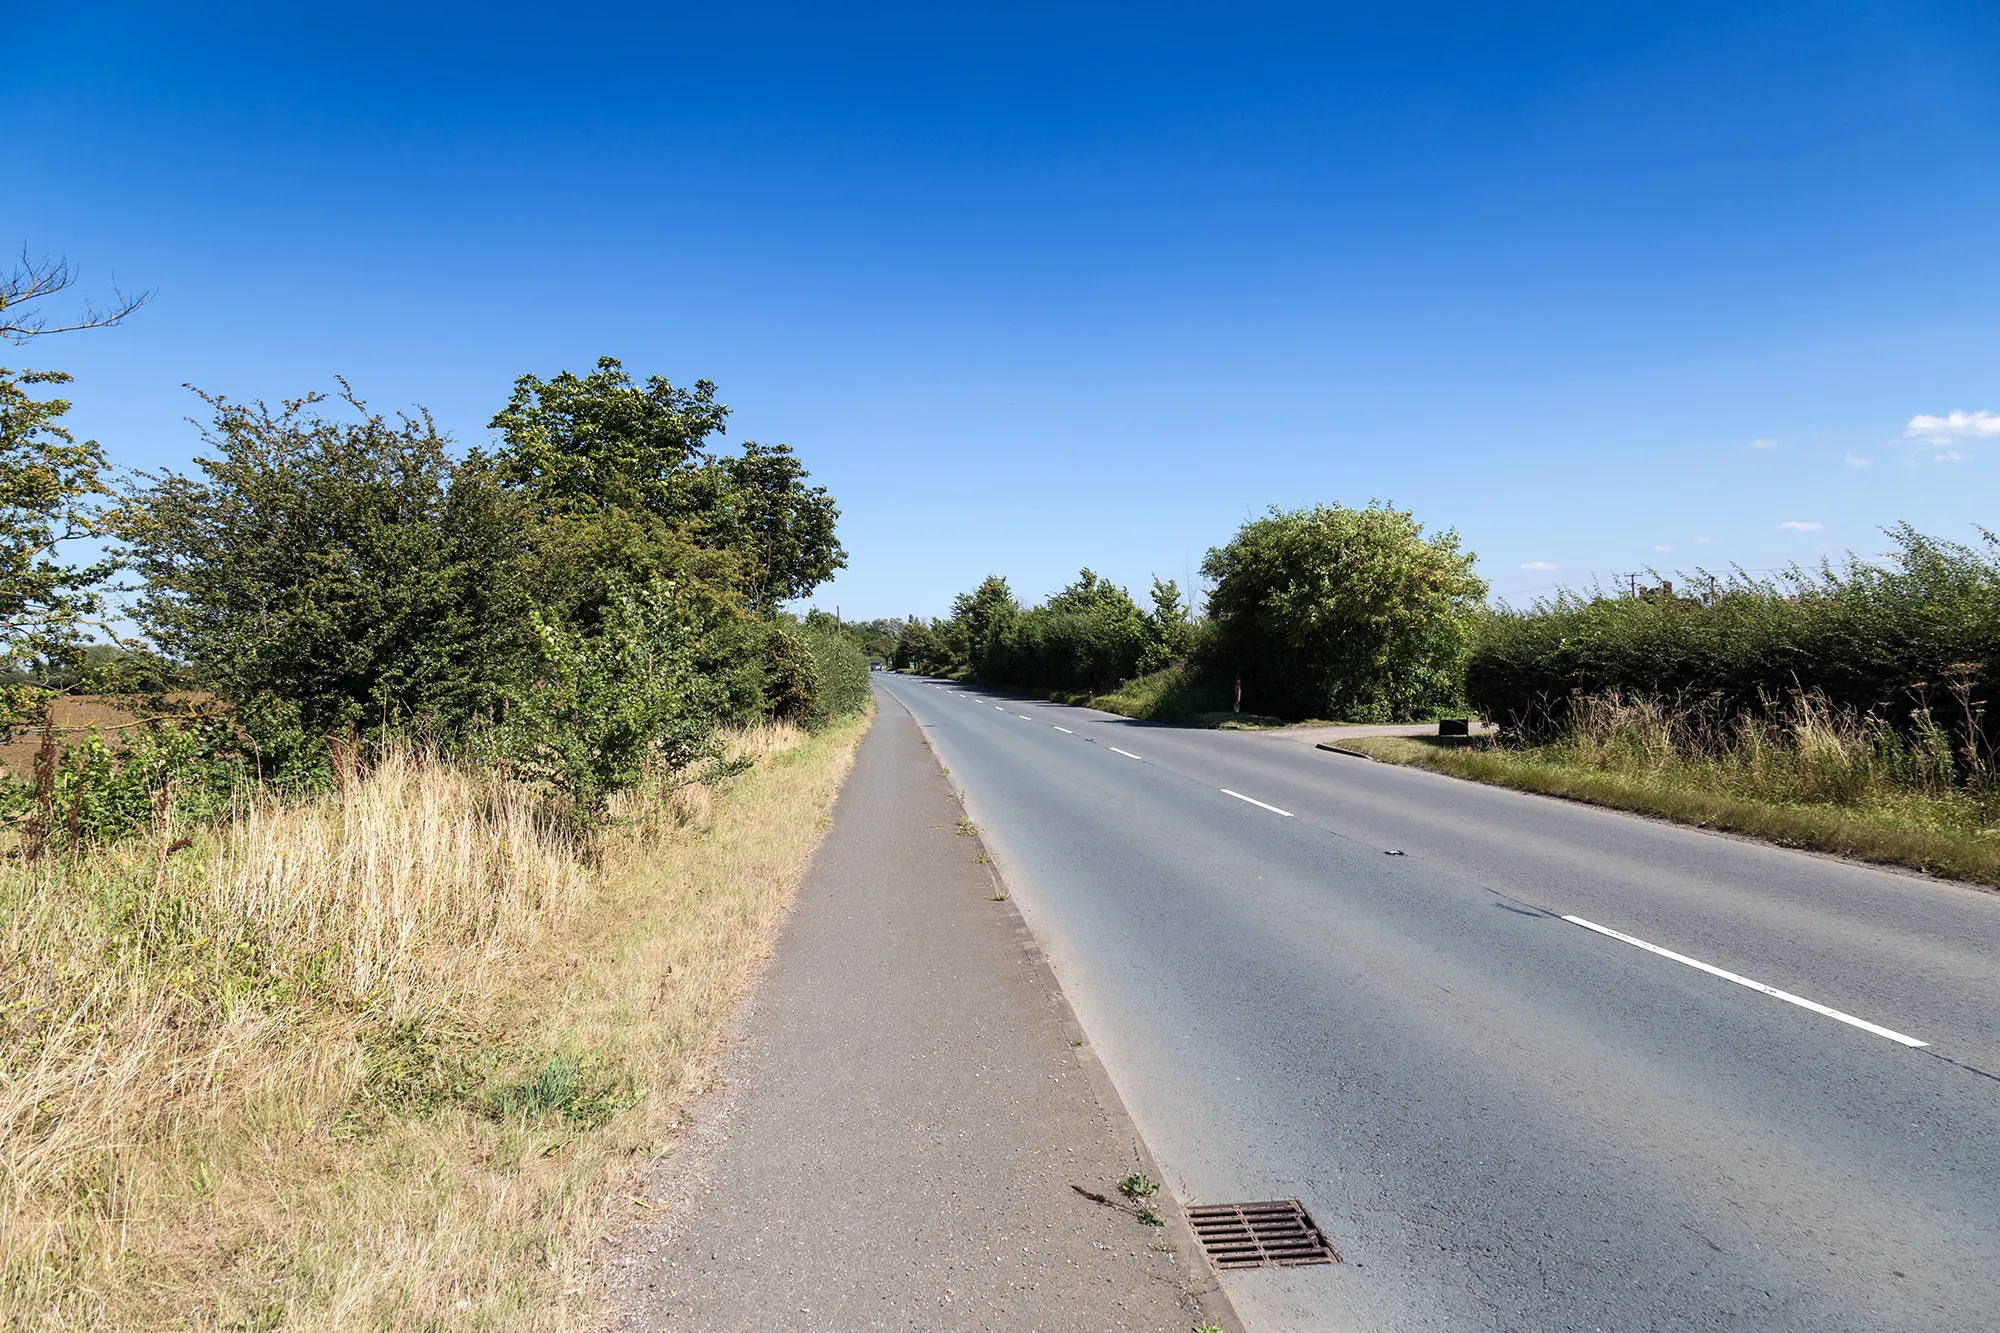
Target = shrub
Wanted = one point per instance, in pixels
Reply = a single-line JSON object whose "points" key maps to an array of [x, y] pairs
{"points": [[1342, 613], [842, 666], [348, 568], [791, 677], [614, 705]]}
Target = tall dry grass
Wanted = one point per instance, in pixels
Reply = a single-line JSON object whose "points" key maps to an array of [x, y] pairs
{"points": [[1801, 750], [351, 1064]]}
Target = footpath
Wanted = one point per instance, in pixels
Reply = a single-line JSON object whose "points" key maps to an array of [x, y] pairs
{"points": [[906, 1113]]}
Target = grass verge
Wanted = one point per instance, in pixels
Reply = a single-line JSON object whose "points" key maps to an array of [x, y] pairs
{"points": [[1910, 829], [380, 1062]]}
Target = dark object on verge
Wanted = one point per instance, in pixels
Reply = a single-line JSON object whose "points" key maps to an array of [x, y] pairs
{"points": [[1335, 749], [1275, 1234], [1454, 726]]}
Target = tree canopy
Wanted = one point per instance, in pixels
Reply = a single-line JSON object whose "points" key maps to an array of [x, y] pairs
{"points": [[604, 462]]}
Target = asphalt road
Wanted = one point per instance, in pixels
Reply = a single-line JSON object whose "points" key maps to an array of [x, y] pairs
{"points": [[1502, 1118]]}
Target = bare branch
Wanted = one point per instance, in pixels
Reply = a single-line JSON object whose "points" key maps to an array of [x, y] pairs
{"points": [[34, 280]]}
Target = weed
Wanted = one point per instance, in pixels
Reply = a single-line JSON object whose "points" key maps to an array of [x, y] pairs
{"points": [[966, 828], [979, 860], [1138, 1187]]}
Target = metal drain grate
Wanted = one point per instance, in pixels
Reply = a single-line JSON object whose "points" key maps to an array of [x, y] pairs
{"points": [[1274, 1234]]}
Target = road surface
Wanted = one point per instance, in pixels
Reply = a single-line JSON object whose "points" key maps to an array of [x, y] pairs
{"points": [[1428, 1009]]}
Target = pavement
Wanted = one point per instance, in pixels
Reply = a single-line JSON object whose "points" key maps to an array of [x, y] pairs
{"points": [[1392, 995], [905, 1109]]}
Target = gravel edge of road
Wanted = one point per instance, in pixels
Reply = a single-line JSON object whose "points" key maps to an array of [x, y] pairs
{"points": [[1198, 1277]]}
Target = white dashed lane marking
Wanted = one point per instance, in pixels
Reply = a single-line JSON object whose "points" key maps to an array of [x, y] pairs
{"points": [[1757, 986]]}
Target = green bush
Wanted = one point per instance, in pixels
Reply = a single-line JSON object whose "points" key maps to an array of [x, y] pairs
{"points": [[348, 568], [96, 793], [615, 704], [842, 666]]}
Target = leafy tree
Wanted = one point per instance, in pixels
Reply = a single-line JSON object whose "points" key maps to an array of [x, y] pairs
{"points": [[878, 638], [600, 441], [1169, 630], [626, 471], [51, 486], [1343, 613], [918, 648], [52, 489], [782, 528], [978, 619], [842, 665], [342, 572]]}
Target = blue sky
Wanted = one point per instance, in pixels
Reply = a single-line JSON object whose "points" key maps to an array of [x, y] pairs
{"points": [[1037, 287]]}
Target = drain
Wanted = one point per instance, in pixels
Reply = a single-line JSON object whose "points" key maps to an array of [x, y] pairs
{"points": [[1274, 1234]]}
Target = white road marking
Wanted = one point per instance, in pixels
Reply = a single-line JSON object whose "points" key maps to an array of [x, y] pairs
{"points": [[998, 708], [1254, 801], [1771, 991], [1065, 731], [1024, 717], [1127, 753]]}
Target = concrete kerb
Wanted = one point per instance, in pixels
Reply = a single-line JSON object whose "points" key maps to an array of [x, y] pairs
{"points": [[1189, 1259]]}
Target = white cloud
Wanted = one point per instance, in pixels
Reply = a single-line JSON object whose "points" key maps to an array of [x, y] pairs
{"points": [[1539, 566], [1855, 460], [1952, 426], [1761, 443], [1950, 456], [1703, 541], [1663, 548], [1793, 525]]}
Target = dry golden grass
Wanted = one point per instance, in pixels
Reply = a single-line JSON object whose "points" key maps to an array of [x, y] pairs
{"points": [[378, 1062]]}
